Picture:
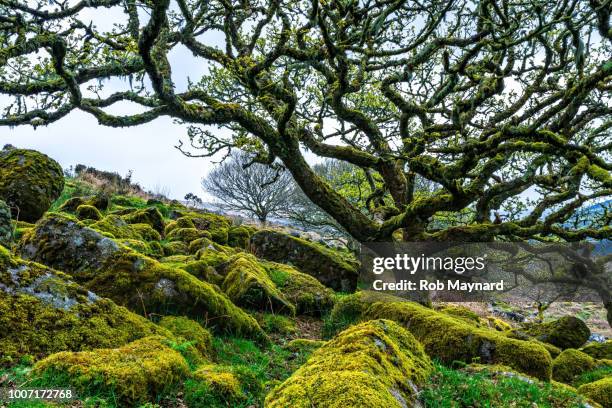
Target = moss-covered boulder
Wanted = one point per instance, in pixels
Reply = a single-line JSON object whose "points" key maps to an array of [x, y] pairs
{"points": [[132, 374], [130, 278], [374, 364], [88, 212], [445, 337], [114, 226], [599, 350], [191, 331], [599, 391], [183, 222], [326, 265], [187, 235], [6, 227], [570, 364], [566, 332], [307, 294], [150, 216], [42, 311], [101, 201], [29, 182], [247, 283], [175, 248], [238, 237]]}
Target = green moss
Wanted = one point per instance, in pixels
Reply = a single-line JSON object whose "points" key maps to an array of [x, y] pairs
{"points": [[175, 248], [43, 312], [137, 372], [186, 235], [447, 338], [277, 324], [203, 243], [498, 324], [238, 237], [599, 391], [307, 294], [132, 279], [146, 232], [150, 216], [327, 266], [374, 364], [602, 370], [571, 363], [304, 345], [599, 350], [29, 182], [191, 331], [99, 201], [566, 332], [461, 312], [248, 284], [115, 227], [88, 212], [183, 222]]}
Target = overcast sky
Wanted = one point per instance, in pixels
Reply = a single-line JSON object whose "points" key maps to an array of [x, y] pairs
{"points": [[148, 149]]}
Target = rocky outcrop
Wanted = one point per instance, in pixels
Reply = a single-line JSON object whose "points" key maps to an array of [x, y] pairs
{"points": [[29, 182], [444, 337], [326, 265], [42, 311], [371, 365], [129, 278]]}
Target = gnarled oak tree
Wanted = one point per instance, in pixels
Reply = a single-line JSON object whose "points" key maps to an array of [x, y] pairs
{"points": [[495, 101]]}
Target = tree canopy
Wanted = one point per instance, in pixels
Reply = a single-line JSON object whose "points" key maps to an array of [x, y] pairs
{"points": [[493, 101]]}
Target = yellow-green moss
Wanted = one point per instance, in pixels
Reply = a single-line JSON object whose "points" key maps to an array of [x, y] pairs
{"points": [[132, 279], [460, 312], [115, 227], [307, 294], [150, 216], [191, 331], [183, 222], [303, 345], [186, 235], [498, 324], [146, 232], [247, 283], [29, 182], [599, 391], [175, 248], [570, 364], [374, 364], [238, 237], [137, 372], [327, 266], [599, 350], [448, 338], [43, 312], [566, 332], [220, 381], [88, 212]]}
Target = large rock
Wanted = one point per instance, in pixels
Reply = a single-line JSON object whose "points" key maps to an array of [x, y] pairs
{"points": [[375, 364], [43, 311], [129, 278], [247, 283], [29, 182], [566, 332], [6, 228], [445, 337], [324, 264]]}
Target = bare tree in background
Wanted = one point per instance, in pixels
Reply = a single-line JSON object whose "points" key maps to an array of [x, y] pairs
{"points": [[254, 189]]}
